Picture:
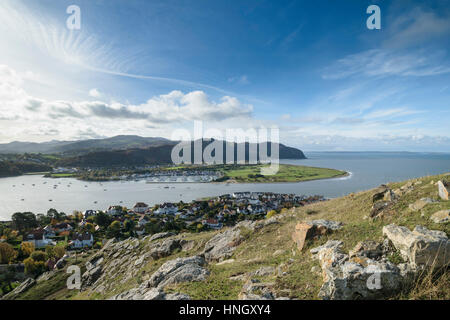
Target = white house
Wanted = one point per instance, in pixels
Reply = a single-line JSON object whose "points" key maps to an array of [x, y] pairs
{"points": [[39, 239], [81, 240], [140, 207], [166, 208], [114, 210]]}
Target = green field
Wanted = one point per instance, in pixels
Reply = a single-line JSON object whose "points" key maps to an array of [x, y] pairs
{"points": [[286, 173]]}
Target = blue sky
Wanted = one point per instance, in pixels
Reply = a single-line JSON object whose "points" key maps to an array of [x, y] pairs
{"points": [[312, 68]]}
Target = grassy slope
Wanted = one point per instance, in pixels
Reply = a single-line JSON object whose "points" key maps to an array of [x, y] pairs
{"points": [[258, 250], [300, 282]]}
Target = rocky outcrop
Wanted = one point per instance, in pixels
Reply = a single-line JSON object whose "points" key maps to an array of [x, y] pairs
{"points": [[254, 289], [422, 247], [161, 235], [222, 245], [420, 204], [165, 248], [313, 229], [173, 271], [382, 199], [152, 294], [442, 216], [23, 287], [179, 270], [368, 248], [356, 277]]}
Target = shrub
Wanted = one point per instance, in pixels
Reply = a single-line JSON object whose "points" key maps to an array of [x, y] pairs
{"points": [[7, 253], [34, 268], [39, 256]]}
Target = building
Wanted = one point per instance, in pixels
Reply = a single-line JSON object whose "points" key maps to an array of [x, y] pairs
{"points": [[81, 240], [114, 210], [140, 207], [212, 223], [39, 239]]}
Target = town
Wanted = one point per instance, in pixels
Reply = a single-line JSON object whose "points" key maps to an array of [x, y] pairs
{"points": [[38, 242]]}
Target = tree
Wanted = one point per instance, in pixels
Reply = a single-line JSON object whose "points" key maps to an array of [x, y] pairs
{"points": [[7, 253], [114, 230], [129, 225], [33, 267], [59, 251], [102, 219], [38, 256], [27, 248], [43, 220], [89, 227], [23, 221]]}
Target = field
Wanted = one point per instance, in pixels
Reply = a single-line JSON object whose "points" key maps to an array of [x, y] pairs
{"points": [[286, 173]]}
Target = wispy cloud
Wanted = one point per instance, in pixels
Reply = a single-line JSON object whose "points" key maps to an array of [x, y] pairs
{"points": [[380, 62]]}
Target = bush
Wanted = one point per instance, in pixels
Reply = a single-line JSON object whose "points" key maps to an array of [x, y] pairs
{"points": [[7, 253], [270, 214], [34, 268], [38, 256]]}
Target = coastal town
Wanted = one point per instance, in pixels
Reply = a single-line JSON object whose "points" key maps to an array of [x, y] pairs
{"points": [[38, 242]]}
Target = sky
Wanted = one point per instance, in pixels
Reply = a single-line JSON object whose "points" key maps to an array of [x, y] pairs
{"points": [[310, 68]]}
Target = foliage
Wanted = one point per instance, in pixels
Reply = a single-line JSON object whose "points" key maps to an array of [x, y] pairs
{"points": [[7, 253]]}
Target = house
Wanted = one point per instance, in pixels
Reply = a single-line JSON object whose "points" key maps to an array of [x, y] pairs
{"points": [[166, 208], [63, 226], [81, 240], [212, 223], [49, 231], [39, 239], [90, 213], [114, 210], [140, 207], [143, 221]]}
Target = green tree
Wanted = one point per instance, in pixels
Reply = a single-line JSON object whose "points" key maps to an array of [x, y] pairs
{"points": [[114, 230], [38, 256], [102, 219], [23, 221]]}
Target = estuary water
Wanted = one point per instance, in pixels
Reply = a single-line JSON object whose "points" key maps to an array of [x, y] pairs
{"points": [[367, 170]]}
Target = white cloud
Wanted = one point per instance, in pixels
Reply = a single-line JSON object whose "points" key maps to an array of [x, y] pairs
{"points": [[33, 114], [94, 93]]}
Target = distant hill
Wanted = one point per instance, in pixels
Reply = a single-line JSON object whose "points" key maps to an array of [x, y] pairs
{"points": [[83, 146], [121, 150], [159, 154]]}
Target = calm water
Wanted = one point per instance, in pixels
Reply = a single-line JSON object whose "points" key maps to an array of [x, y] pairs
{"points": [[367, 171]]}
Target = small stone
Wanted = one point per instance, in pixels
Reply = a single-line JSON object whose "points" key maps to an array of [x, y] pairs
{"points": [[442, 216]]}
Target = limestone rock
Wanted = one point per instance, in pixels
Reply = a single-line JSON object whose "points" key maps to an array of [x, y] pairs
{"points": [[165, 248], [442, 216], [151, 294], [359, 277], [422, 247], [420, 204], [313, 229], [254, 289], [161, 235], [263, 272], [222, 245], [179, 270], [368, 248], [444, 189]]}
